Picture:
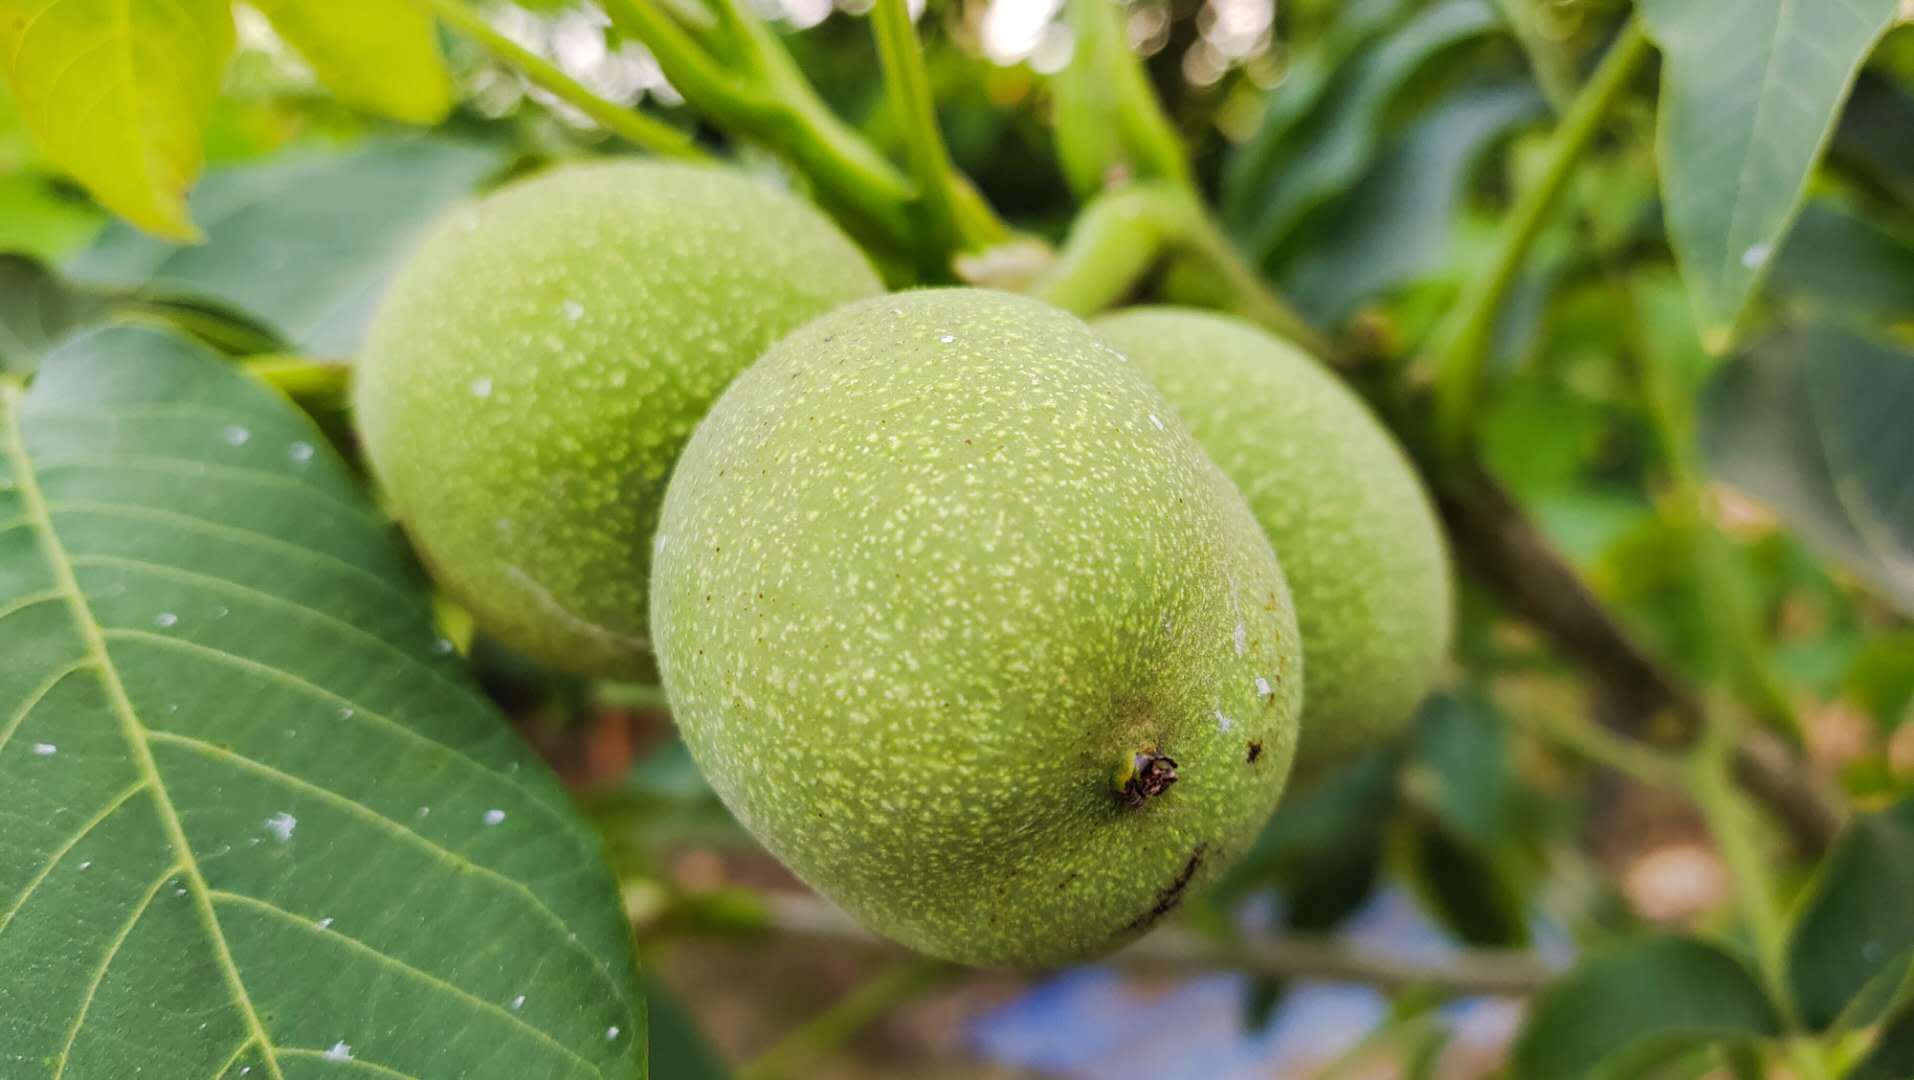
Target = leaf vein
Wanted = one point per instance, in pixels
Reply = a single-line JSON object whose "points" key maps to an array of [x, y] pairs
{"points": [[408, 970], [242, 536], [310, 689], [39, 693], [131, 729], [99, 973], [71, 842], [386, 824]]}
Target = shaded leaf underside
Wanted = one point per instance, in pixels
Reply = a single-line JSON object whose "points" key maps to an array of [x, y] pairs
{"points": [[253, 820]]}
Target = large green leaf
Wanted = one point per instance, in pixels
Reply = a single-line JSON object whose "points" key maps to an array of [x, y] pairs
{"points": [[116, 90], [306, 242], [1855, 931], [1327, 157], [1750, 94], [1814, 422], [1311, 73], [256, 819], [376, 54], [1399, 222], [1640, 1000]]}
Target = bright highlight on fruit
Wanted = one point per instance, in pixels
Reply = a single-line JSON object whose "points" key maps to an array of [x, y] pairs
{"points": [[962, 624], [538, 364]]}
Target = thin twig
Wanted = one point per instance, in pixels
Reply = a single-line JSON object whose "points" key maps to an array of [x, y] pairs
{"points": [[1462, 342], [758, 93], [852, 1013], [903, 62], [1170, 950], [634, 127]]}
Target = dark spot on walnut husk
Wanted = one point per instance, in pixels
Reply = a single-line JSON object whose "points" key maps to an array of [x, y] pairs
{"points": [[1153, 775], [1255, 751], [1171, 894]]}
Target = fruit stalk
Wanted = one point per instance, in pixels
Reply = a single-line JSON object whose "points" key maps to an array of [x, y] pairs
{"points": [[1462, 343], [630, 125]]}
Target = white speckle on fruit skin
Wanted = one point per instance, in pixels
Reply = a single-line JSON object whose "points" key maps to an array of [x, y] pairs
{"points": [[1263, 689], [45, 749], [482, 386], [1239, 637], [610, 303], [1157, 421], [281, 826], [1223, 723], [493, 817], [919, 605]]}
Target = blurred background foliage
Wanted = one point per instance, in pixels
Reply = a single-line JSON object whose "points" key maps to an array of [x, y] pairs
{"points": [[1363, 155]]}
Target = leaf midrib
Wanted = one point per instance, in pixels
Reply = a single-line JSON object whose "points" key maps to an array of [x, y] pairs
{"points": [[131, 729]]}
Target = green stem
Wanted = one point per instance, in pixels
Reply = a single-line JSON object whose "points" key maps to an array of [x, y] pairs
{"points": [[1732, 827], [1603, 747], [852, 1013], [1462, 343], [635, 128], [764, 96], [632, 695], [903, 63], [1112, 245], [1255, 300], [1151, 139], [1123, 233]]}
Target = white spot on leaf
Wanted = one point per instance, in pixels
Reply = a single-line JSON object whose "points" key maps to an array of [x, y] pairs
{"points": [[281, 825], [165, 619], [300, 452], [339, 1052], [45, 749], [1756, 256], [493, 817], [236, 435]]}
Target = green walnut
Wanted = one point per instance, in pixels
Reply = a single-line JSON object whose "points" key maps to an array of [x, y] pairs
{"points": [[962, 624], [538, 364], [1355, 531]]}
